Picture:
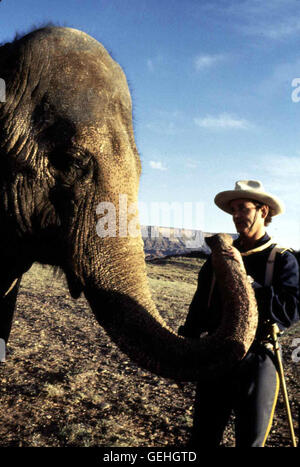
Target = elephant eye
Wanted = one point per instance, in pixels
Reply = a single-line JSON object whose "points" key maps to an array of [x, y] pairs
{"points": [[64, 159], [80, 158], [72, 167]]}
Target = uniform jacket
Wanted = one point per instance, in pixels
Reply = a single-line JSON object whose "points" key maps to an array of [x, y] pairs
{"points": [[278, 303]]}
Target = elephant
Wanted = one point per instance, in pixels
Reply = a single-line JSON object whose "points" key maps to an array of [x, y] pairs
{"points": [[67, 147]]}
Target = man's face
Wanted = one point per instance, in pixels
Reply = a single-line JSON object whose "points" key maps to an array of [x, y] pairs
{"points": [[246, 216]]}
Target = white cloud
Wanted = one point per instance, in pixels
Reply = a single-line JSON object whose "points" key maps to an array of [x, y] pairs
{"points": [[222, 121], [274, 20], [277, 30], [157, 165], [206, 61]]}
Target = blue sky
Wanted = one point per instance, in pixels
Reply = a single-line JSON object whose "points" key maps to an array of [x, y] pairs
{"points": [[211, 84]]}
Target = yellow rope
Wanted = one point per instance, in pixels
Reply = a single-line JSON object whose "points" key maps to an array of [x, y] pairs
{"points": [[259, 248]]}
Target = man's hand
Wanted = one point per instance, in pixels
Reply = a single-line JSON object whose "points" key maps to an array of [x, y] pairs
{"points": [[233, 253]]}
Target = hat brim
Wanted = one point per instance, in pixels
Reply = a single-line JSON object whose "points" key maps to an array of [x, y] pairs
{"points": [[223, 199]]}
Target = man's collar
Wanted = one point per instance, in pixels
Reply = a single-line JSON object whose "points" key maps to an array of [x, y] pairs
{"points": [[261, 241]]}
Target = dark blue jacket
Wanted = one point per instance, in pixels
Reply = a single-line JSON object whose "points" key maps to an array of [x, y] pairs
{"points": [[277, 303]]}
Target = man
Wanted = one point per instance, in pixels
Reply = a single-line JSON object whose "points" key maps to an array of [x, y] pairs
{"points": [[251, 389]]}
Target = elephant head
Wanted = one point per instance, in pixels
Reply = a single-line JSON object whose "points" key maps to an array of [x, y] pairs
{"points": [[68, 156]]}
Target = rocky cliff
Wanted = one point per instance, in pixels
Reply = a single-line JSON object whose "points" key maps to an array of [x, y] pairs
{"points": [[167, 241]]}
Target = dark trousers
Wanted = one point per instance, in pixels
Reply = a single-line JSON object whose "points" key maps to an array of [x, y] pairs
{"points": [[7, 307], [250, 392]]}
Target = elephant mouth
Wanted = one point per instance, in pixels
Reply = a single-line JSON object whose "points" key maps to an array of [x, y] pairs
{"points": [[75, 285]]}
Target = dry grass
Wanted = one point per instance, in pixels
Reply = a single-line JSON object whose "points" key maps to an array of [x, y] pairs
{"points": [[66, 384]]}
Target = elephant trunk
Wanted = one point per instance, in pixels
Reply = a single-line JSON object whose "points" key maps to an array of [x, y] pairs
{"points": [[119, 296]]}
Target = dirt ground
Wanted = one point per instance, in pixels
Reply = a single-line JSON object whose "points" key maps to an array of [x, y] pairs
{"points": [[65, 384]]}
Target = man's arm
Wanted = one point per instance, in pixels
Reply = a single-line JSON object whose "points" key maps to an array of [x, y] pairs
{"points": [[279, 302]]}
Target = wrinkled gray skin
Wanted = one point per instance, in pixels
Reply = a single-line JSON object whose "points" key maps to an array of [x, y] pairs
{"points": [[67, 144]]}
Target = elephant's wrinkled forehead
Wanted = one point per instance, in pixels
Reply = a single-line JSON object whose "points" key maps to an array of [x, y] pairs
{"points": [[77, 76]]}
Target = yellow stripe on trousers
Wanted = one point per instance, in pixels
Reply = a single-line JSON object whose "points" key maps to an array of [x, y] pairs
{"points": [[273, 409]]}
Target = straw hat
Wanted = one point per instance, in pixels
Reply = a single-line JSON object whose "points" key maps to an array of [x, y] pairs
{"points": [[252, 190]]}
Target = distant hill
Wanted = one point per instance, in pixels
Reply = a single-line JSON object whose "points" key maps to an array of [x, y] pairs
{"points": [[167, 241]]}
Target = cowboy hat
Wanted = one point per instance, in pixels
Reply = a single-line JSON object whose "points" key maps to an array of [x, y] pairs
{"points": [[249, 189]]}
